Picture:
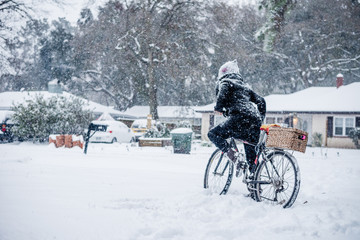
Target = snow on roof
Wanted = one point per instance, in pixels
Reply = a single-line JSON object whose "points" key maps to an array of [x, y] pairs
{"points": [[318, 99], [164, 112], [8, 99], [53, 82], [314, 99], [105, 117], [206, 108]]}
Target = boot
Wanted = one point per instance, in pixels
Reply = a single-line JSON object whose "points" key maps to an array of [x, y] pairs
{"points": [[231, 153]]}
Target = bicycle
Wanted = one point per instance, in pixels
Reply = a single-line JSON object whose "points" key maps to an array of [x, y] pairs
{"points": [[276, 178]]}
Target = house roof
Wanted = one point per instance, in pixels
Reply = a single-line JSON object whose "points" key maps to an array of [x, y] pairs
{"points": [[317, 99], [345, 99], [8, 99], [164, 112]]}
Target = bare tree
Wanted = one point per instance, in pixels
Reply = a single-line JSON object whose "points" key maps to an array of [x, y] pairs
{"points": [[276, 11], [148, 39], [100, 67], [10, 10], [320, 41]]}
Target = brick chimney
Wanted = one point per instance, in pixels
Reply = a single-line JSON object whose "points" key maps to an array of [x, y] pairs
{"points": [[339, 80]]}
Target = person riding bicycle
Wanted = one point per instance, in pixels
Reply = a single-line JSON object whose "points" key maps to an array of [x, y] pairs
{"points": [[244, 111]]}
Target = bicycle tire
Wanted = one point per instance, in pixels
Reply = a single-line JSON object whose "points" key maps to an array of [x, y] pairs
{"points": [[219, 173], [281, 169]]}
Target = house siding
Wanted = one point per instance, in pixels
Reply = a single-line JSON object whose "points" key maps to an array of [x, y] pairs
{"points": [[319, 126], [340, 142]]}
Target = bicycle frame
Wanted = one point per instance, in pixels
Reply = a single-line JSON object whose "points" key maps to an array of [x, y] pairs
{"points": [[261, 153], [223, 171]]}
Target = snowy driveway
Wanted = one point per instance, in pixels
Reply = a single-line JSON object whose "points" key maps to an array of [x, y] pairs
{"points": [[123, 192]]}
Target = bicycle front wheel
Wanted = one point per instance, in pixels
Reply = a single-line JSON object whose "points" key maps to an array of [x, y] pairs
{"points": [[218, 173], [278, 179]]}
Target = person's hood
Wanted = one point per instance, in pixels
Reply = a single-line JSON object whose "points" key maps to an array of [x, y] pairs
{"points": [[228, 68]]}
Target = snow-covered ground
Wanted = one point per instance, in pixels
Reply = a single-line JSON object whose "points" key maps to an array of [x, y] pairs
{"points": [[123, 192]]}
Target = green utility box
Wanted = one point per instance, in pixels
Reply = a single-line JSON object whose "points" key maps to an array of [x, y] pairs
{"points": [[181, 140]]}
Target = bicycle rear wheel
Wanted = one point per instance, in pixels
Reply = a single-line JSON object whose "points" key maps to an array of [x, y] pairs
{"points": [[278, 179], [218, 173]]}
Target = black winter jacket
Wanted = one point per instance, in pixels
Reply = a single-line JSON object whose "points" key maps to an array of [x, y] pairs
{"points": [[235, 98]]}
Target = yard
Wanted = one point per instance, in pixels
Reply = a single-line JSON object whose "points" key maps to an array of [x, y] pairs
{"points": [[119, 191]]}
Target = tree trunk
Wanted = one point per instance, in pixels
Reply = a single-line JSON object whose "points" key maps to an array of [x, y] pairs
{"points": [[152, 87]]}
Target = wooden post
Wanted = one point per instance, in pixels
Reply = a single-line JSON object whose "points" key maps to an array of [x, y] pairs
{"points": [[149, 118]]}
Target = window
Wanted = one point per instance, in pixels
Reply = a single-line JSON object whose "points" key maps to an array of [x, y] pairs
{"points": [[349, 125], [270, 120], [343, 126]]}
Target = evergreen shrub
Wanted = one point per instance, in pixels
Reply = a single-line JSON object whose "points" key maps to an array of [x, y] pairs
{"points": [[317, 139], [37, 118], [354, 134], [158, 131]]}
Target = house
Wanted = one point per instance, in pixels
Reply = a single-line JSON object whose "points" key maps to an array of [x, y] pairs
{"points": [[8, 99], [329, 111], [170, 115]]}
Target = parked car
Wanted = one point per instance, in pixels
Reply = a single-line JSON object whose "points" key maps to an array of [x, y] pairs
{"points": [[6, 134], [115, 132]]}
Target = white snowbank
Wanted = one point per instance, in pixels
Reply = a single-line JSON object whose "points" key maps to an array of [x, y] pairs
{"points": [[117, 191]]}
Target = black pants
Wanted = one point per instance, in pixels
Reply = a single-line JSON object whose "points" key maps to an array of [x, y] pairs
{"points": [[238, 127]]}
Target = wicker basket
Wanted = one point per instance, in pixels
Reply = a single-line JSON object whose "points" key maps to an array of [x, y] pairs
{"points": [[288, 138]]}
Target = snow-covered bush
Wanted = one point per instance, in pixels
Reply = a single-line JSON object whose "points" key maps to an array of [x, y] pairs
{"points": [[183, 124], [354, 134], [37, 118], [158, 131]]}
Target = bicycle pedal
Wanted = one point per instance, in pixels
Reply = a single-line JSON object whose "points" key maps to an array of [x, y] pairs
{"points": [[240, 164]]}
